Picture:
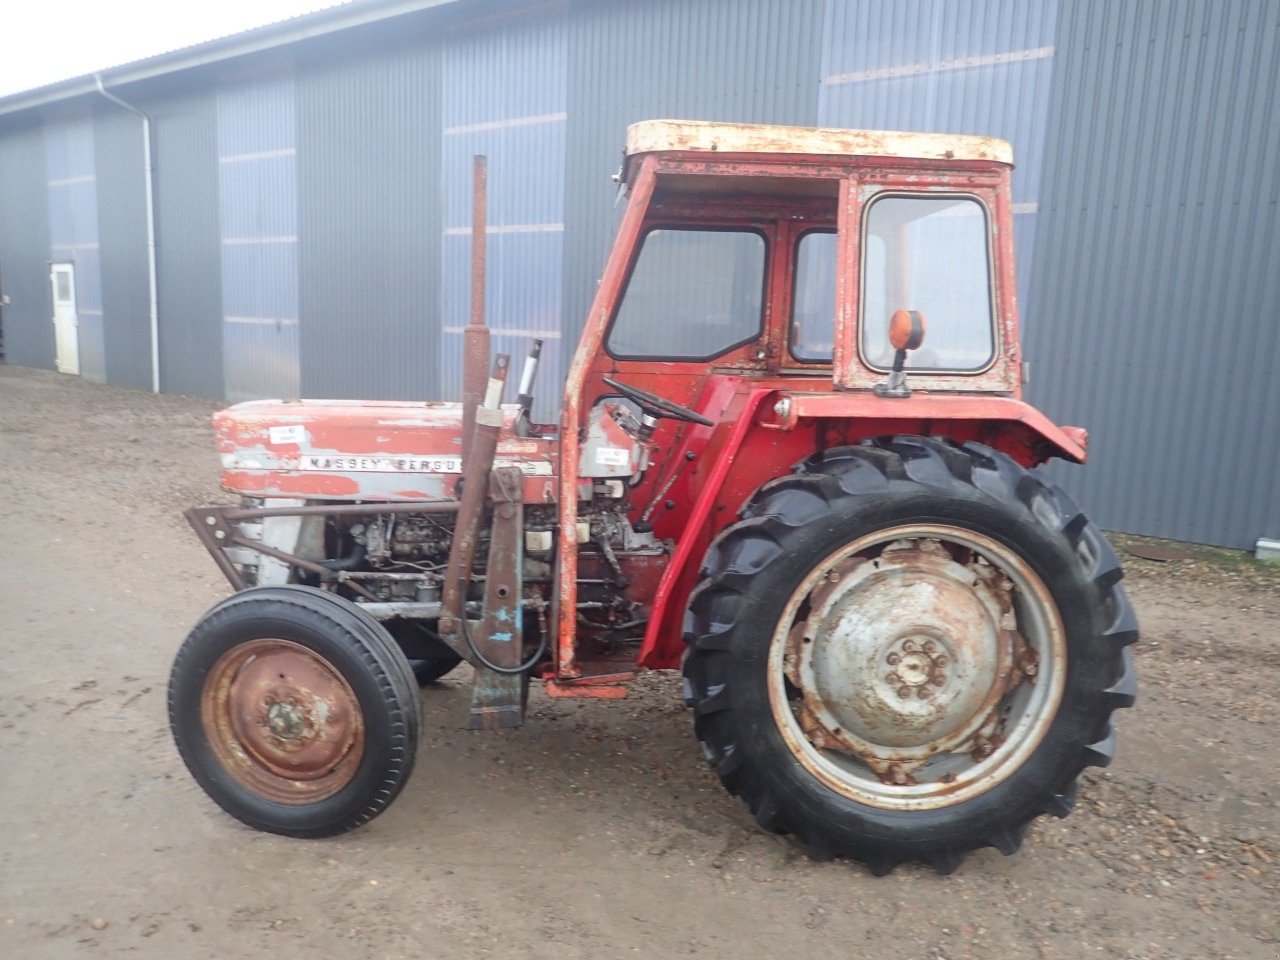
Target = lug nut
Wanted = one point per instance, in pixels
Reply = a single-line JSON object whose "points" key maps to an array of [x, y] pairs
{"points": [[893, 659], [929, 646], [904, 692], [893, 679]]}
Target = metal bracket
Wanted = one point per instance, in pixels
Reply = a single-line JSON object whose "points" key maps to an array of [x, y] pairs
{"points": [[498, 699]]}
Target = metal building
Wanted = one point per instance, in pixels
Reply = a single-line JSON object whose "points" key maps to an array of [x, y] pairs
{"points": [[309, 186]]}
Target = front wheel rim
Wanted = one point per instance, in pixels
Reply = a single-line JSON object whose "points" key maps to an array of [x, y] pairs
{"points": [[917, 667], [282, 721]]}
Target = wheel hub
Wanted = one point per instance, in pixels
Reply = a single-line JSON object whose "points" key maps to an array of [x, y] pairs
{"points": [[903, 656], [915, 666], [287, 721]]}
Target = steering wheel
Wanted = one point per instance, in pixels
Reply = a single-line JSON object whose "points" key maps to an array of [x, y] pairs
{"points": [[656, 406]]}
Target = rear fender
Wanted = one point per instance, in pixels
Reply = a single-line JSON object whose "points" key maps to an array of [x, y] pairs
{"points": [[777, 429]]}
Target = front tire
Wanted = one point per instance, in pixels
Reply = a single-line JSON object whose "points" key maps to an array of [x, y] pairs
{"points": [[294, 711], [908, 650]]}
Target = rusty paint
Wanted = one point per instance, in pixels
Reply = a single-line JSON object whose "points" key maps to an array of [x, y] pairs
{"points": [[497, 699], [476, 345], [475, 483], [907, 658], [754, 139], [413, 447], [282, 721], [921, 660]]}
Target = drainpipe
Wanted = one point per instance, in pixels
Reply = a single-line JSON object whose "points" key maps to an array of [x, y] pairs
{"points": [[151, 230]]}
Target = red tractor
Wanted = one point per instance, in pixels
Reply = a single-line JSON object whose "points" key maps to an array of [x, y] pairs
{"points": [[898, 641]]}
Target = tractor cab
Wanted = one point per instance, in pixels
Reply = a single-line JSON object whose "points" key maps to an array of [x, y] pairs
{"points": [[773, 290]]}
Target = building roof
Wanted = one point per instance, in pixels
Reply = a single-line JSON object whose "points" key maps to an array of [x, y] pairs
{"points": [[309, 26], [652, 136]]}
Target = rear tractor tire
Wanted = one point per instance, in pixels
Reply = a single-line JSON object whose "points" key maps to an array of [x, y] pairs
{"points": [[294, 710], [908, 650]]}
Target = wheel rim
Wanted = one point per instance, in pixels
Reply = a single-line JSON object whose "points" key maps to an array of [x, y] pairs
{"points": [[917, 667], [282, 721]]}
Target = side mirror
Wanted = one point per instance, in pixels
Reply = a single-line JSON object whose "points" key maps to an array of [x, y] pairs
{"points": [[906, 332]]}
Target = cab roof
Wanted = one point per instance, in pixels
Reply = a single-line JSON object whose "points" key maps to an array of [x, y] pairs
{"points": [[657, 136]]}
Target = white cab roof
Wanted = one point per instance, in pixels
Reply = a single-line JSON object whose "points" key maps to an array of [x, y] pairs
{"points": [[652, 136]]}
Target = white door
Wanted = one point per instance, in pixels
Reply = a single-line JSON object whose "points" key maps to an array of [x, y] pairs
{"points": [[66, 327]]}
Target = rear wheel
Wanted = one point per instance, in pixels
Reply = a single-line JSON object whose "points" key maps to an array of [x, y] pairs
{"points": [[908, 650], [294, 711]]}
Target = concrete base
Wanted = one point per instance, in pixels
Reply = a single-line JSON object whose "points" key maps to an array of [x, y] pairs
{"points": [[1268, 550]]}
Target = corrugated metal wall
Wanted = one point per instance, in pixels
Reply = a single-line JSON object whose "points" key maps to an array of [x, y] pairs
{"points": [[188, 251], [1153, 315], [71, 184], [126, 318], [503, 95], [24, 249], [940, 66], [368, 210], [749, 61], [258, 213]]}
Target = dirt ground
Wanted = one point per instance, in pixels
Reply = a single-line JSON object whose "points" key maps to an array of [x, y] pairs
{"points": [[596, 830]]}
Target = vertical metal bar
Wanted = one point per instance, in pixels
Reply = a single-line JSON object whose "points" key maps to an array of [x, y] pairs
{"points": [[475, 483], [475, 338], [844, 358]]}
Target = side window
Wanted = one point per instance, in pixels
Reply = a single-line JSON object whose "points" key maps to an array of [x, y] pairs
{"points": [[813, 304], [929, 254], [692, 295]]}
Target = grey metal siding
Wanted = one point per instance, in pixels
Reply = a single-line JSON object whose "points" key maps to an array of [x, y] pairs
{"points": [[24, 249], [188, 251], [122, 229], [934, 65], [368, 212], [258, 215], [1154, 304], [503, 95], [749, 61]]}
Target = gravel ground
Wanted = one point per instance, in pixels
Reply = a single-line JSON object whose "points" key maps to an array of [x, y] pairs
{"points": [[595, 830]]}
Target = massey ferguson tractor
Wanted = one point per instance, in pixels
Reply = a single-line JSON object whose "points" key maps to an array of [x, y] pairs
{"points": [[792, 461]]}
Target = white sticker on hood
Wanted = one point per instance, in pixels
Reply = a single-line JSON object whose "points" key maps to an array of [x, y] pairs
{"points": [[612, 457], [290, 433]]}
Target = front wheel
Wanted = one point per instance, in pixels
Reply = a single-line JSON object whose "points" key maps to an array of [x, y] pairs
{"points": [[908, 650], [294, 711]]}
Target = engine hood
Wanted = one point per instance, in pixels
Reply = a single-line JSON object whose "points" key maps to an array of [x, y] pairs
{"points": [[357, 449]]}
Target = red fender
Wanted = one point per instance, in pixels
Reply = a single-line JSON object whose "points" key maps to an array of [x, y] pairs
{"points": [[774, 425]]}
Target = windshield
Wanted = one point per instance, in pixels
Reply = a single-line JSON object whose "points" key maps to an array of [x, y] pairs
{"points": [[692, 295]]}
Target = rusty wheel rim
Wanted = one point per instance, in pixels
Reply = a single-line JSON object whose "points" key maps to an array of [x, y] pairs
{"points": [[282, 721], [917, 667]]}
